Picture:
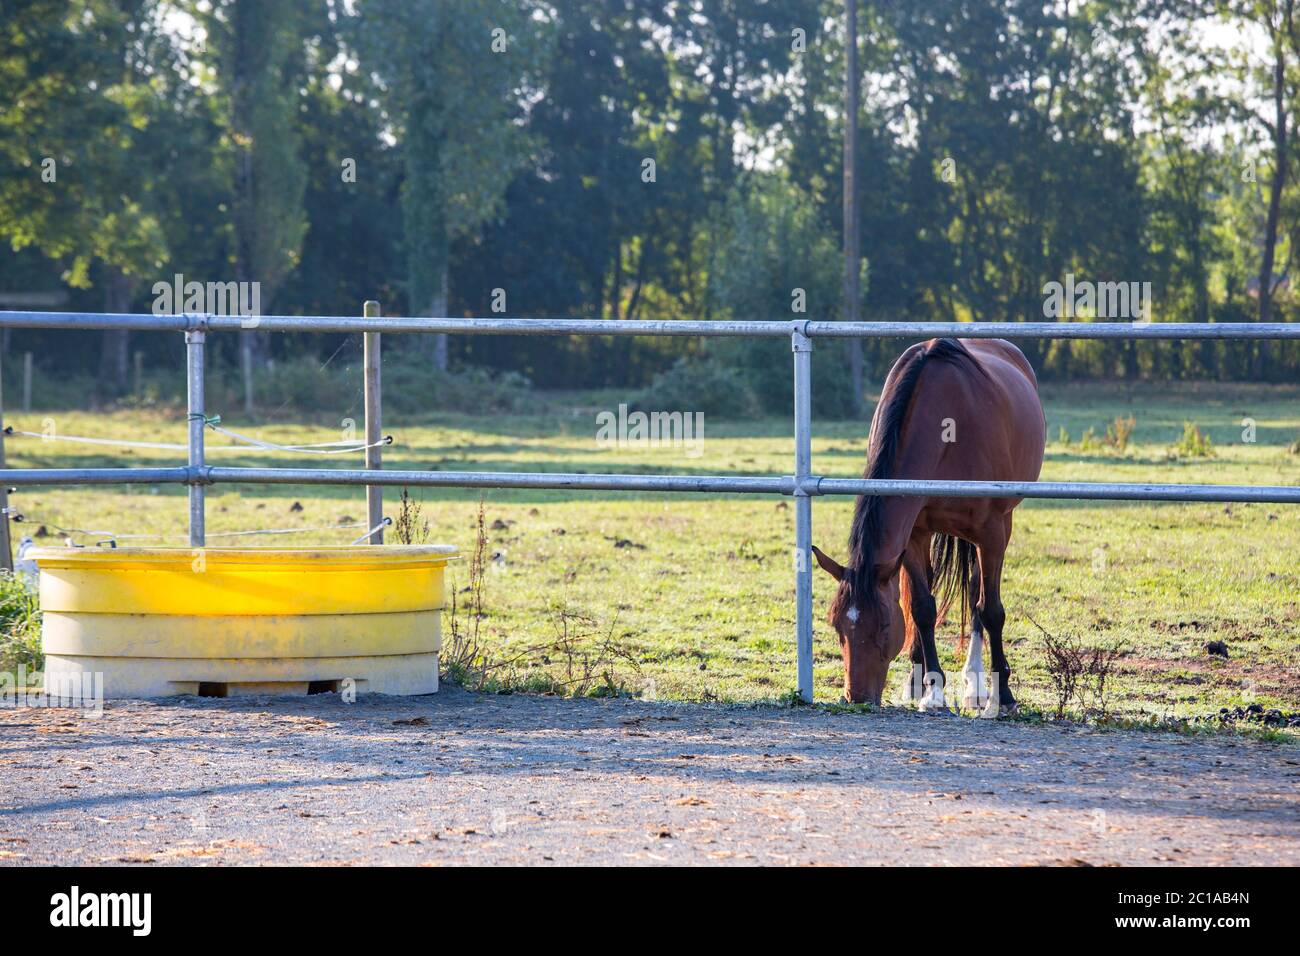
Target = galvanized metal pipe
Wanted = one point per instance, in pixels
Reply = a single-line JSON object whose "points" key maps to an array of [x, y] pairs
{"points": [[374, 424], [771, 329], [703, 484], [1083, 490], [1055, 330], [195, 367], [801, 346], [773, 485], [44, 477], [97, 321], [782, 485]]}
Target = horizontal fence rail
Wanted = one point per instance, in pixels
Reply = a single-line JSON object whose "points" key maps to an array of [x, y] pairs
{"points": [[700, 484], [803, 485], [514, 326]]}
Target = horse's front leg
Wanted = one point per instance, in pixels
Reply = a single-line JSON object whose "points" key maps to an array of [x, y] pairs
{"points": [[914, 686], [924, 614]]}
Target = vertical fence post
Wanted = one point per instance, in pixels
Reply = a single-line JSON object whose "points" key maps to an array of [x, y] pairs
{"points": [[246, 362], [6, 548], [374, 426], [197, 421], [27, 381], [801, 345]]}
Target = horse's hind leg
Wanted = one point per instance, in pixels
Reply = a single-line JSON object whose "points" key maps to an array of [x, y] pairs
{"points": [[991, 613], [974, 692]]}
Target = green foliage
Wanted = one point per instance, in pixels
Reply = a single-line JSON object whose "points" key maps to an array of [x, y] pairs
{"points": [[453, 71], [755, 277], [256, 52], [1119, 431], [502, 148], [20, 626], [701, 385], [1193, 443], [300, 383], [413, 386], [698, 593]]}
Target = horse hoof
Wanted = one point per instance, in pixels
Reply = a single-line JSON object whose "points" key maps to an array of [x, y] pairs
{"points": [[940, 710], [1009, 710]]}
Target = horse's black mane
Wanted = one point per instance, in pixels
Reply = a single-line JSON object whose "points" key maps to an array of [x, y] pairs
{"points": [[884, 450]]}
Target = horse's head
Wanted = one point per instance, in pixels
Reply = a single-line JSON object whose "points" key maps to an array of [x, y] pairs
{"points": [[871, 629]]}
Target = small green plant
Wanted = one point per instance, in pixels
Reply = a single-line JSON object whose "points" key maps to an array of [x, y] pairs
{"points": [[1120, 431], [463, 657], [1193, 444], [1089, 441], [411, 526], [1063, 436], [1079, 674], [20, 626]]}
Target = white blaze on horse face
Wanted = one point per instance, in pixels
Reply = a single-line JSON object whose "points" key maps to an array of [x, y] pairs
{"points": [[853, 615]]}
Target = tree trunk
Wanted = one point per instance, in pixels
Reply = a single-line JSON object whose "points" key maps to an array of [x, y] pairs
{"points": [[852, 247], [1280, 147], [438, 310], [115, 357]]}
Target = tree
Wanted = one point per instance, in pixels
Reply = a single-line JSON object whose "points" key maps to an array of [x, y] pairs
{"points": [[852, 247], [454, 72], [72, 134], [255, 59], [766, 217]]}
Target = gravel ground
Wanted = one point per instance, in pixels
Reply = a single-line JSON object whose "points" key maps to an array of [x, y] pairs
{"points": [[462, 778]]}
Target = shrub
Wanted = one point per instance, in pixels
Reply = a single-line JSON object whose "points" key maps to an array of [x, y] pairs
{"points": [[701, 385], [414, 386], [1119, 432], [20, 626], [300, 383], [1193, 444], [1078, 673]]}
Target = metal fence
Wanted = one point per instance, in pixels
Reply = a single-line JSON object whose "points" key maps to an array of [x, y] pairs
{"points": [[802, 485]]}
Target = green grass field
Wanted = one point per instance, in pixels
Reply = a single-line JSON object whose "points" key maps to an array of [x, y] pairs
{"points": [[698, 591]]}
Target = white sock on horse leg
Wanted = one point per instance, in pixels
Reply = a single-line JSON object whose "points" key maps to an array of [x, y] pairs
{"points": [[933, 698], [912, 685], [974, 691]]}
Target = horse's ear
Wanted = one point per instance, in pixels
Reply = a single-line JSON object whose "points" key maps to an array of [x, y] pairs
{"points": [[829, 565]]}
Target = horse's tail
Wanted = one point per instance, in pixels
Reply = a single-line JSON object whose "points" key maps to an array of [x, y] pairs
{"points": [[953, 561], [905, 599]]}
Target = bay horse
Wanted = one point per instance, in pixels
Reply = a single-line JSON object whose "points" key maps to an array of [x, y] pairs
{"points": [[948, 411]]}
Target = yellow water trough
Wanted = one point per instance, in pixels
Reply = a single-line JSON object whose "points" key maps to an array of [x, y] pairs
{"points": [[221, 622]]}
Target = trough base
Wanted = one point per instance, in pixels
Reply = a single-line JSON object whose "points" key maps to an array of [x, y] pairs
{"points": [[399, 674]]}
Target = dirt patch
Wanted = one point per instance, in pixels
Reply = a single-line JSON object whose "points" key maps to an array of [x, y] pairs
{"points": [[1262, 677], [466, 778]]}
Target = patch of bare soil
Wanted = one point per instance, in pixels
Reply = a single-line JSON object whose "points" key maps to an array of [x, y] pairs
{"points": [[465, 778]]}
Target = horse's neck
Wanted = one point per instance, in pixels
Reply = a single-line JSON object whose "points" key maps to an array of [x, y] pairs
{"points": [[916, 459], [897, 519]]}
